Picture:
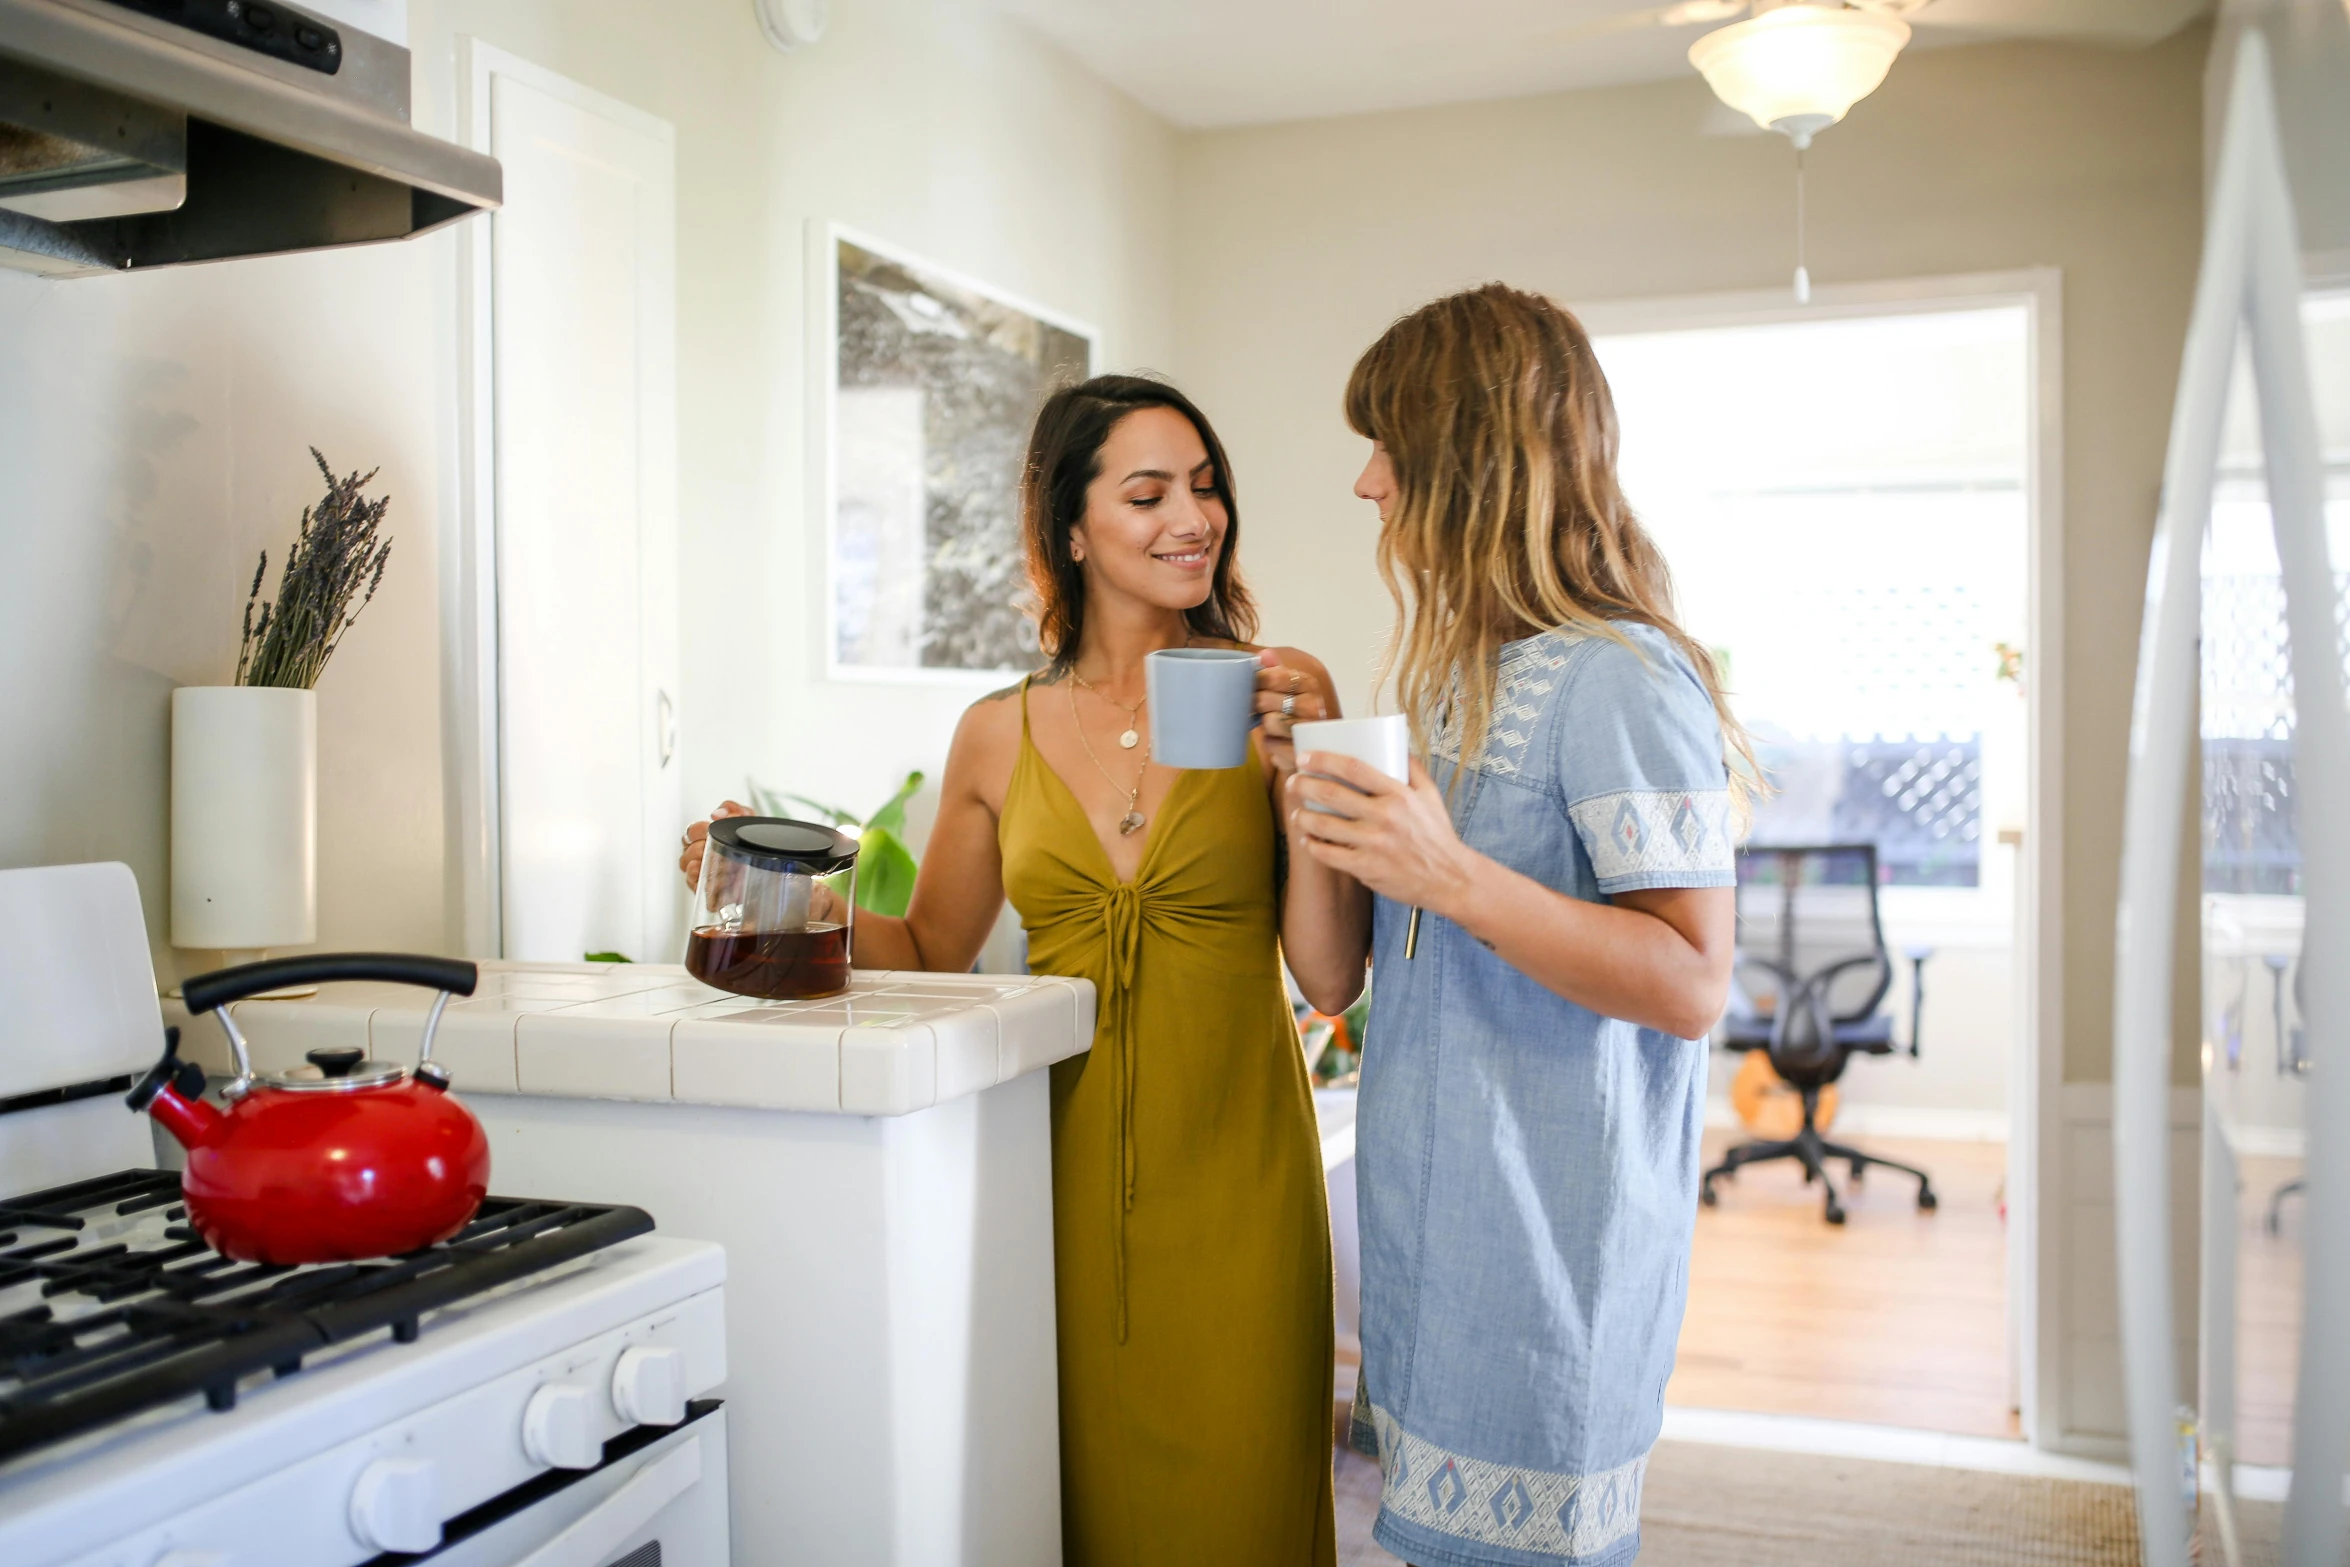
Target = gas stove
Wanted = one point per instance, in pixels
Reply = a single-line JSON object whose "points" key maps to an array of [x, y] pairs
{"points": [[110, 1306], [535, 1390]]}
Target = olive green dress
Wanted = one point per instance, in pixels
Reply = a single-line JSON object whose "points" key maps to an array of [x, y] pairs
{"points": [[1191, 1235]]}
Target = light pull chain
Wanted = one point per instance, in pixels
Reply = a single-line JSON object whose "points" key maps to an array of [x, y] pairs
{"points": [[1802, 272]]}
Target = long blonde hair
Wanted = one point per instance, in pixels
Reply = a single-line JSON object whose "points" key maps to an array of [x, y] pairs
{"points": [[1507, 519]]}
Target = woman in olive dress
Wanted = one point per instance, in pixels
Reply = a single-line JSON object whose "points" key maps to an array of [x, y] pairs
{"points": [[1191, 1236]]}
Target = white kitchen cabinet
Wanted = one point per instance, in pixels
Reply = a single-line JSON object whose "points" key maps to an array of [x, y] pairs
{"points": [[879, 1169]]}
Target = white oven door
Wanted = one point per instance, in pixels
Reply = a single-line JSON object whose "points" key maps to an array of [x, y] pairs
{"points": [[659, 1505]]}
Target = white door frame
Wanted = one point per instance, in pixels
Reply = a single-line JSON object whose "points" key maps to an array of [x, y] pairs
{"points": [[472, 578], [2034, 1169]]}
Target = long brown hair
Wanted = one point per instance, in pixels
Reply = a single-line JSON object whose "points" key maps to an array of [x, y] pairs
{"points": [[1064, 458], [1507, 519]]}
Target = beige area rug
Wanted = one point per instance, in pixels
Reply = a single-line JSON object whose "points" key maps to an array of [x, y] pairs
{"points": [[2260, 1532], [1709, 1506]]}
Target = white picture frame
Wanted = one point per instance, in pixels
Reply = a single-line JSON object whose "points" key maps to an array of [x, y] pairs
{"points": [[874, 487]]}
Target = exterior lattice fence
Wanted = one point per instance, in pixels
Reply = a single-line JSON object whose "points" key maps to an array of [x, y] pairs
{"points": [[2251, 836]]}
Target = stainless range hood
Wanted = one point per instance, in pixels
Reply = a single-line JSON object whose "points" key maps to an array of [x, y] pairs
{"points": [[144, 133]]}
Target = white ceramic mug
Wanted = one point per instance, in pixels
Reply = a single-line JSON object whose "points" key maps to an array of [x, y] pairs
{"points": [[1384, 743]]}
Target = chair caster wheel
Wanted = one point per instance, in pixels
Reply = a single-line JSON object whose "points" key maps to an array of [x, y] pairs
{"points": [[1706, 1197], [1858, 1171], [1927, 1201], [1835, 1213]]}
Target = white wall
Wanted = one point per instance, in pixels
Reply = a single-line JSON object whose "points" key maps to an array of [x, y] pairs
{"points": [[152, 434], [152, 428], [932, 125]]}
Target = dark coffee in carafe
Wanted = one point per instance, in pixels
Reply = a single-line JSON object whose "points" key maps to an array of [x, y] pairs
{"points": [[781, 965]]}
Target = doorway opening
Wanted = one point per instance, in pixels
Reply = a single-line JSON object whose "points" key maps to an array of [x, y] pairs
{"points": [[564, 567], [1849, 497]]}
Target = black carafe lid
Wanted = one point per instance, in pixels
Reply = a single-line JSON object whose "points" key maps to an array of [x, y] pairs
{"points": [[777, 843]]}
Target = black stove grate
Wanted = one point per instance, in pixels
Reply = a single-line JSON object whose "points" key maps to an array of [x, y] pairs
{"points": [[159, 1316]]}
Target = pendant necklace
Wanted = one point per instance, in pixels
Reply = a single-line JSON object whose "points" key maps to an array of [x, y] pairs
{"points": [[1131, 822], [1133, 735]]}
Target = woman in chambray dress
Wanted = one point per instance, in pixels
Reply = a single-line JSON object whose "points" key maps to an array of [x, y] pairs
{"points": [[1533, 1081]]}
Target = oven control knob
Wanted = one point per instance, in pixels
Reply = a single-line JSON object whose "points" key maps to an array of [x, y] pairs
{"points": [[648, 1386], [395, 1507], [559, 1427]]}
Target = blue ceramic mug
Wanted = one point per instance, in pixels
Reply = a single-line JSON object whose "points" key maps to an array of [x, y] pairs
{"points": [[1203, 703]]}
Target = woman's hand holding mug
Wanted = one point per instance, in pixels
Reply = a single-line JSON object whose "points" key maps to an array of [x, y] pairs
{"points": [[1395, 838], [1285, 697]]}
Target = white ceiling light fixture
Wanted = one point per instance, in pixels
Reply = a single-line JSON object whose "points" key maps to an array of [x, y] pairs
{"points": [[1797, 68], [791, 24]]}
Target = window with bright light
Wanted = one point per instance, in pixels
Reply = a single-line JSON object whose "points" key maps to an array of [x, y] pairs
{"points": [[1845, 504]]}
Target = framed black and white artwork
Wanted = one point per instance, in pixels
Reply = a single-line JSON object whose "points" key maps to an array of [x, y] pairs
{"points": [[930, 384]]}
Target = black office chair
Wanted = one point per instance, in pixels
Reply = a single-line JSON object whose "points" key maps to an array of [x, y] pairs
{"points": [[1809, 987]]}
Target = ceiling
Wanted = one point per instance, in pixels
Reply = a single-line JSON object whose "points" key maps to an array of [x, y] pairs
{"points": [[1238, 62]]}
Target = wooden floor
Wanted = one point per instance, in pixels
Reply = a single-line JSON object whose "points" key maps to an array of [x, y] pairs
{"points": [[1896, 1318], [2268, 1312], [1899, 1317]]}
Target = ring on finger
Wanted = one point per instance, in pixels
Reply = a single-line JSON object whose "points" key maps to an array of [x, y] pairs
{"points": [[1289, 706]]}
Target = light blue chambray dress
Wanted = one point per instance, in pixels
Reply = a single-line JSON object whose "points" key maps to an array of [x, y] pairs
{"points": [[1528, 1169]]}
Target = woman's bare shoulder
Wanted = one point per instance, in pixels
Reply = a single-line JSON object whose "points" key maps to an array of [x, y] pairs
{"points": [[985, 747], [989, 731], [992, 720]]}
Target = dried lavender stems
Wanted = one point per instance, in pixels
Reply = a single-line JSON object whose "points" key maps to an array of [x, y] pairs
{"points": [[337, 554]]}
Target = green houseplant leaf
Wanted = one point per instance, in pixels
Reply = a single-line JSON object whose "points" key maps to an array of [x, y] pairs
{"points": [[892, 816], [885, 872], [885, 865]]}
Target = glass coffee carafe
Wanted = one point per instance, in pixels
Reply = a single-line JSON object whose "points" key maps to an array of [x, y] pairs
{"points": [[776, 909]]}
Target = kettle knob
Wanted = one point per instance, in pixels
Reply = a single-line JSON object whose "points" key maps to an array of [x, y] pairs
{"points": [[335, 1060]]}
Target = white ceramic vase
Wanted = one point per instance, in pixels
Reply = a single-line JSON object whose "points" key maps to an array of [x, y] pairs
{"points": [[244, 817]]}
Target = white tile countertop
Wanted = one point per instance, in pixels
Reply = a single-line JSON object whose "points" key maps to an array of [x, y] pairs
{"points": [[896, 1043]]}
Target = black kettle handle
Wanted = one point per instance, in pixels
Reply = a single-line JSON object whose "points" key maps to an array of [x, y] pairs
{"points": [[222, 986]]}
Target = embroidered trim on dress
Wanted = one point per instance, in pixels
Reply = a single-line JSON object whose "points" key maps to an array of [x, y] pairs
{"points": [[1528, 673], [1493, 1504], [1645, 832]]}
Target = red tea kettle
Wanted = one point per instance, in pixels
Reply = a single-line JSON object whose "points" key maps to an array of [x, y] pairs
{"points": [[344, 1159]]}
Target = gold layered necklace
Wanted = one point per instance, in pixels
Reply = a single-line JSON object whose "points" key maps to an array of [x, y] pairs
{"points": [[1131, 822], [1133, 712]]}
